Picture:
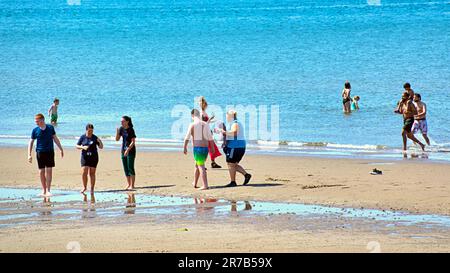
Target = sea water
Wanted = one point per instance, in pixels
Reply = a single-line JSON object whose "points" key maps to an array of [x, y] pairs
{"points": [[108, 58]]}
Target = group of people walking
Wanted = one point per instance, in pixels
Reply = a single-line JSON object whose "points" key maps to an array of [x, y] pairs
{"points": [[414, 113], [199, 131], [412, 108]]}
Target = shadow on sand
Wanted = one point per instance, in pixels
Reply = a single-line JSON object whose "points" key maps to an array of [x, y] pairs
{"points": [[256, 185], [140, 188]]}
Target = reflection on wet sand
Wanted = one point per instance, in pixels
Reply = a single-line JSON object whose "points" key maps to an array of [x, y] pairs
{"points": [[130, 207], [88, 210], [415, 155], [248, 206], [47, 205], [201, 205], [23, 206]]}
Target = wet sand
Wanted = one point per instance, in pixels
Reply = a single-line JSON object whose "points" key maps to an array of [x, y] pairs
{"points": [[410, 185], [417, 187]]}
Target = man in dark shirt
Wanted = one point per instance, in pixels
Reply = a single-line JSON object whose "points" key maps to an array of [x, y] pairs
{"points": [[45, 135]]}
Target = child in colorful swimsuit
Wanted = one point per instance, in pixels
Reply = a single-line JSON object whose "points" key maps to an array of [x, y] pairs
{"points": [[201, 138]]}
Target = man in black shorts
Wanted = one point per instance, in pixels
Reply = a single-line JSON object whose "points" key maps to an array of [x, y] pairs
{"points": [[45, 135], [408, 110]]}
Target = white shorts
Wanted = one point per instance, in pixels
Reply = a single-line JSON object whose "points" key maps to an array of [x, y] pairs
{"points": [[420, 125]]}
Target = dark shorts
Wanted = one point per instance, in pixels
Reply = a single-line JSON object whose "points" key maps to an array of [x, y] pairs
{"points": [[234, 155], [45, 159], [407, 124], [89, 160]]}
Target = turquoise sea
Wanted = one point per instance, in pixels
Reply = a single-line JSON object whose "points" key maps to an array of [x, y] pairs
{"points": [[107, 58]]}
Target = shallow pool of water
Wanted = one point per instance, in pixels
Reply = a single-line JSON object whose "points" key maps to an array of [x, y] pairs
{"points": [[24, 205]]}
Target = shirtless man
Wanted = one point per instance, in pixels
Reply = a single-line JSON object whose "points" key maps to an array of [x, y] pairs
{"points": [[420, 120], [201, 138], [408, 110]]}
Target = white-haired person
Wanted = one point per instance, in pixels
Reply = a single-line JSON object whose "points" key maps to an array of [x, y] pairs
{"points": [[235, 148]]}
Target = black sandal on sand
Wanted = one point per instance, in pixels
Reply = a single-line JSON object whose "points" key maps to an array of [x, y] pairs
{"points": [[214, 165], [376, 172]]}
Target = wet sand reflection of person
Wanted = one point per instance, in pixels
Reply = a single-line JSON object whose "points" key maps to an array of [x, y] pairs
{"points": [[248, 206], [90, 206], [47, 205], [200, 204], [130, 207], [200, 207]]}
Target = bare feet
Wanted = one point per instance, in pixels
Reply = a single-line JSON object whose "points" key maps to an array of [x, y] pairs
{"points": [[195, 185], [48, 194], [83, 190], [423, 146], [204, 188]]}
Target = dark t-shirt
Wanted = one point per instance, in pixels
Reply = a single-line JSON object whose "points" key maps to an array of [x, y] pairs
{"points": [[44, 138], [127, 136], [92, 142]]}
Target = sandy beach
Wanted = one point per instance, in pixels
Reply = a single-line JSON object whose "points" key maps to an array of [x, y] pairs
{"points": [[408, 185]]}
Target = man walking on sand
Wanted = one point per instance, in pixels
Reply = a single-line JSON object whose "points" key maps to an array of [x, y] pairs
{"points": [[201, 138], [45, 135], [420, 120], [408, 110]]}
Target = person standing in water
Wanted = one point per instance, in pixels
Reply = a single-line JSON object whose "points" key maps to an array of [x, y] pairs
{"points": [[408, 110], [205, 118], [202, 138], [235, 148], [45, 135], [126, 131], [346, 97], [420, 120], [53, 111], [88, 143]]}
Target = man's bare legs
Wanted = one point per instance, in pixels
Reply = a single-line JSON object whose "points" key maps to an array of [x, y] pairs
{"points": [[425, 136], [232, 171], [84, 178], [240, 169], [410, 135], [48, 179], [43, 181], [202, 170], [196, 176], [413, 138]]}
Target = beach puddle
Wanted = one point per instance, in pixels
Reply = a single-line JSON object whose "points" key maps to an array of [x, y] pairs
{"points": [[20, 206]]}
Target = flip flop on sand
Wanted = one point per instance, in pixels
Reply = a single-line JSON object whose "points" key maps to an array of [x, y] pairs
{"points": [[376, 172]]}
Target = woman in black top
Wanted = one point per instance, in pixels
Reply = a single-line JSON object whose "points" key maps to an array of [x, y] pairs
{"points": [[128, 151], [89, 156]]}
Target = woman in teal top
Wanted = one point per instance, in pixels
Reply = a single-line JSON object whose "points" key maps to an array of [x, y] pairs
{"points": [[235, 148]]}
